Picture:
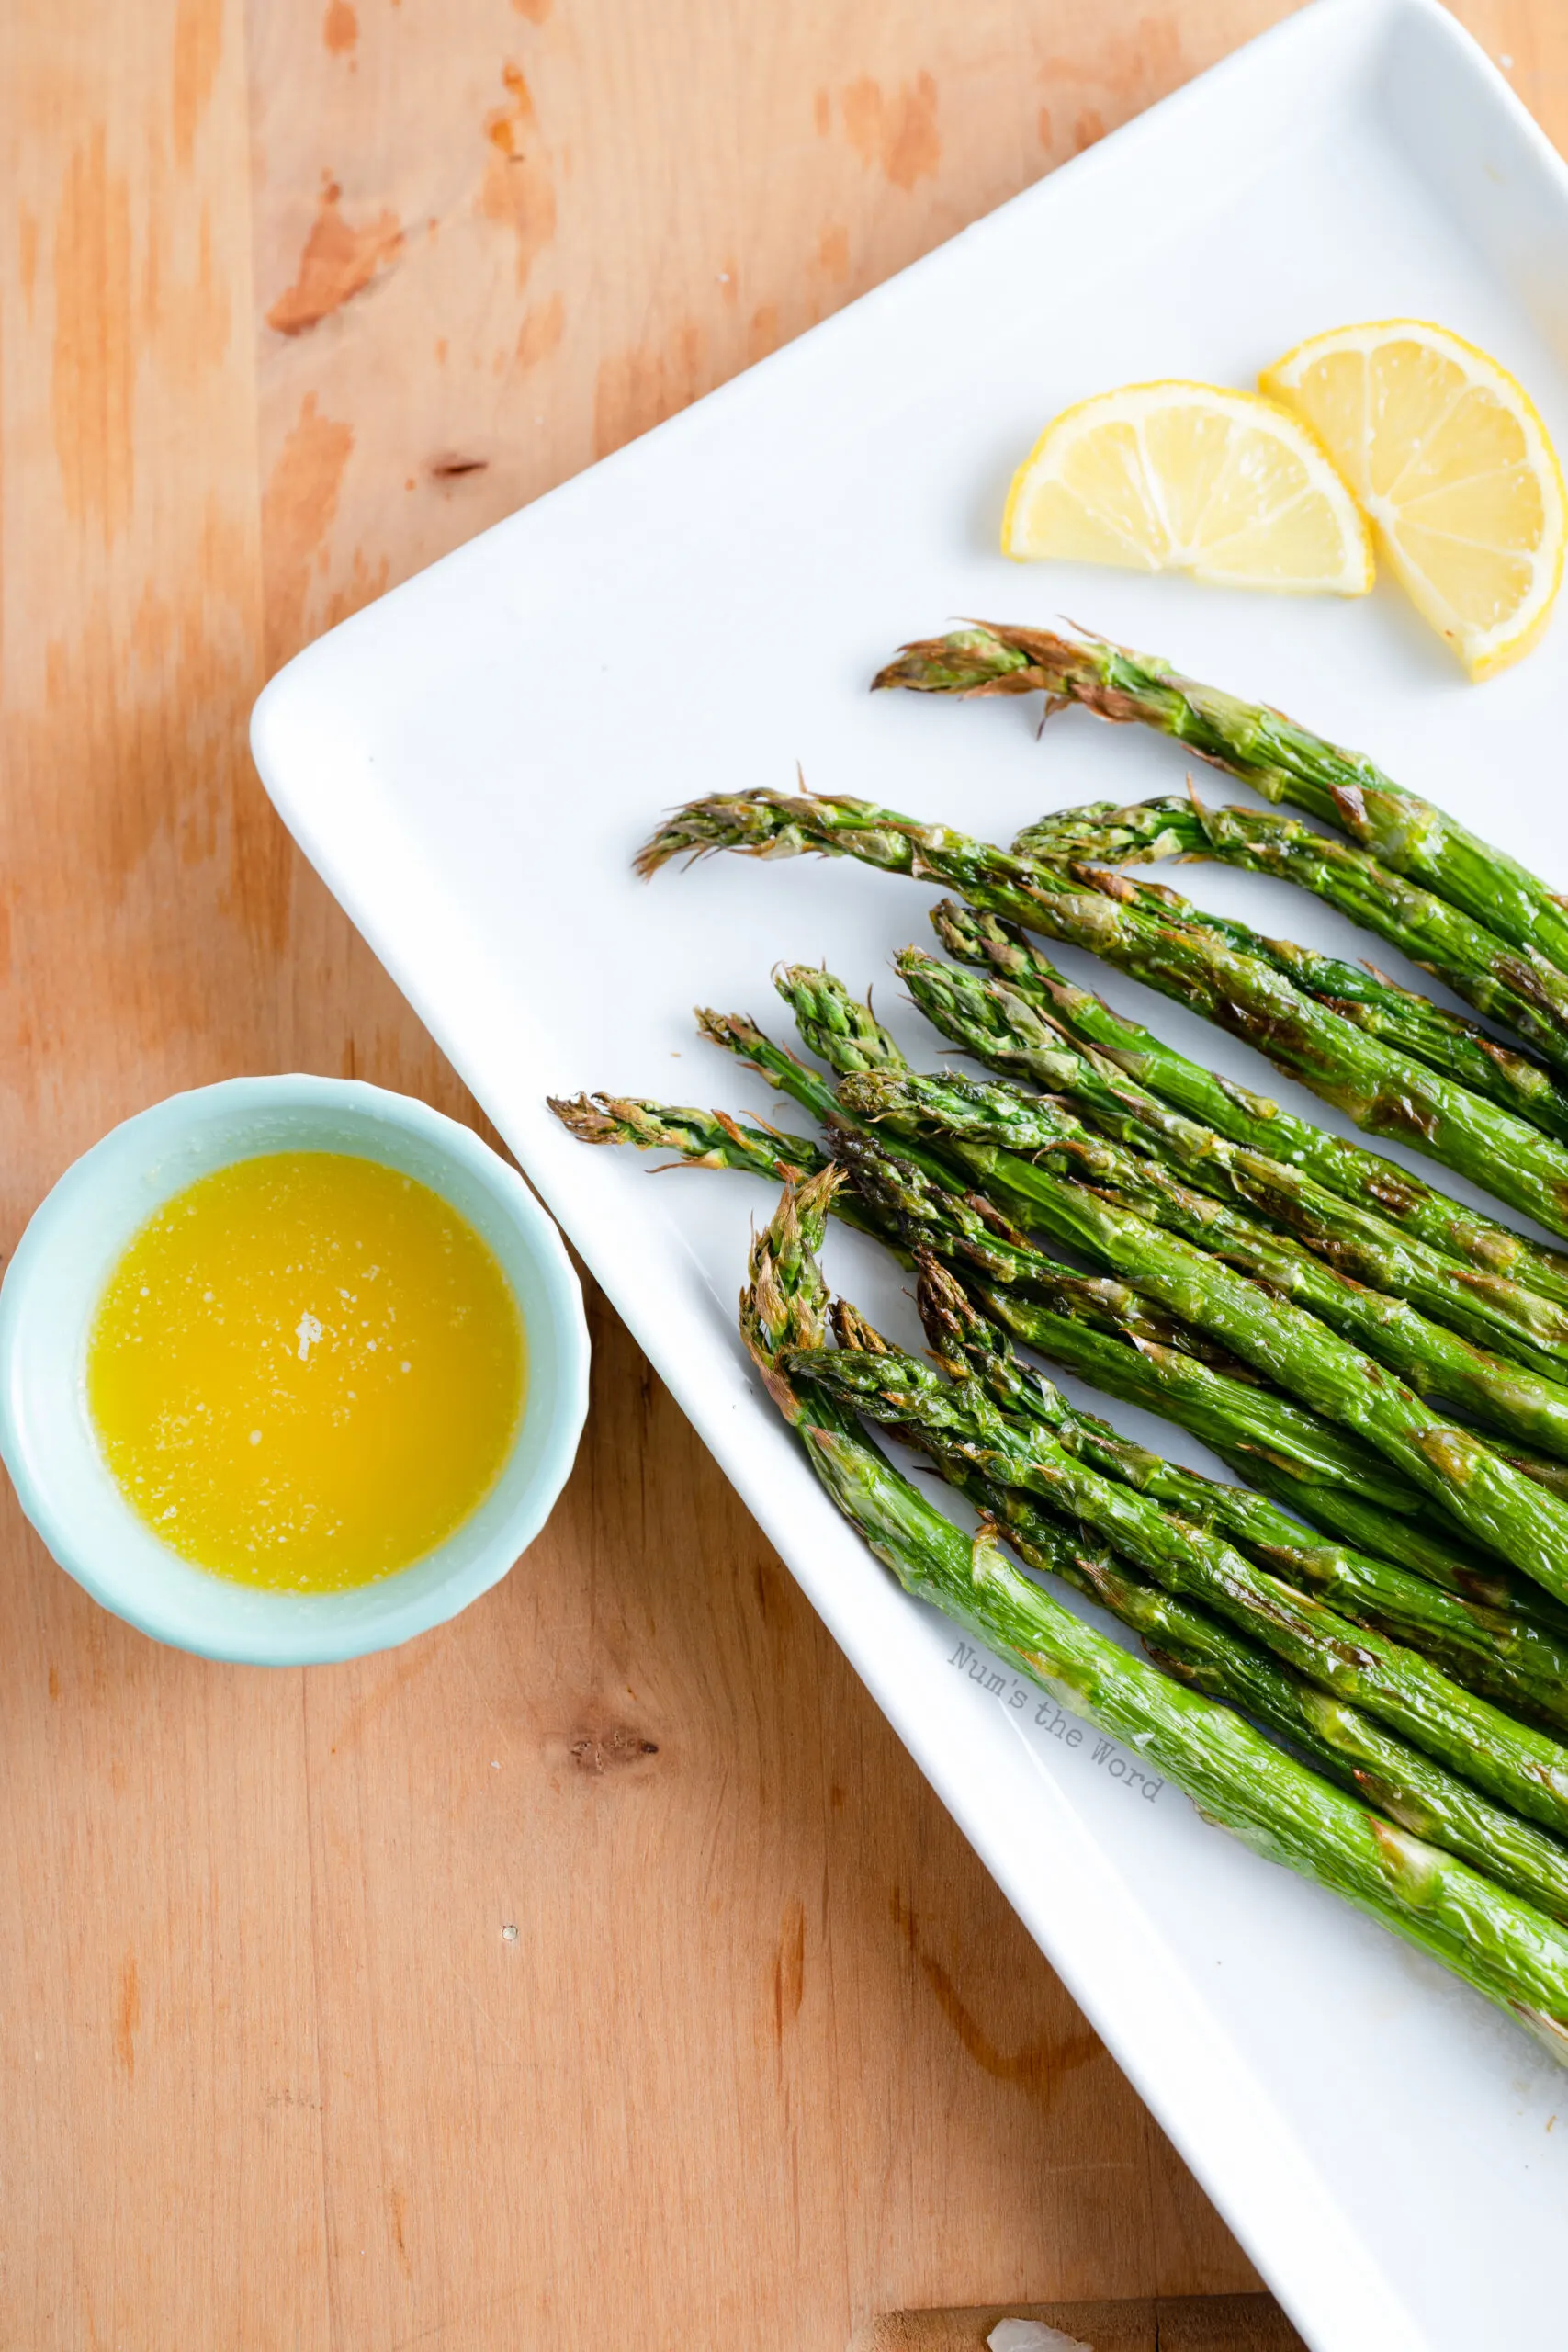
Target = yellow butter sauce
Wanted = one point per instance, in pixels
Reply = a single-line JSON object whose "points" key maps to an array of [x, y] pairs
{"points": [[305, 1370]]}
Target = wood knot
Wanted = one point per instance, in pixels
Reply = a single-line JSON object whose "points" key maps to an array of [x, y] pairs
{"points": [[610, 1751]]}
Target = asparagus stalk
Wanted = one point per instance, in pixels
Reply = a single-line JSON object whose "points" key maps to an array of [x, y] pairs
{"points": [[1358, 1175], [1278, 759], [700, 1138], [1387, 1093], [1511, 1660], [1406, 1538], [1515, 1763], [1514, 985], [1497, 1505], [1001, 1026], [1350, 1748], [1496, 1941], [1029, 1145], [710, 1139]]}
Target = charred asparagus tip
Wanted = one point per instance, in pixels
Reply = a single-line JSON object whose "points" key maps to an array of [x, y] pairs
{"points": [[589, 1117]]}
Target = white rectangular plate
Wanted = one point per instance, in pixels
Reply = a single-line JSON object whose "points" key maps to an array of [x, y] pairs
{"points": [[471, 762]]}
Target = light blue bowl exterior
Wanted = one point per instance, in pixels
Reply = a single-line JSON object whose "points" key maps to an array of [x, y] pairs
{"points": [[53, 1285]]}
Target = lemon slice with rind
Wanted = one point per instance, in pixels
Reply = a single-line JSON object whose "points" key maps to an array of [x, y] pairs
{"points": [[1193, 478], [1448, 456]]}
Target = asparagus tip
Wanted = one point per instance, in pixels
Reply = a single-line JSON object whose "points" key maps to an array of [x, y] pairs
{"points": [[589, 1117], [754, 822], [854, 1332], [783, 1302], [946, 1312], [974, 659], [737, 1032], [668, 843]]}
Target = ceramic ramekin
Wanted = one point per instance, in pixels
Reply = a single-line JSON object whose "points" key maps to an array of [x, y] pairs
{"points": [[46, 1310]]}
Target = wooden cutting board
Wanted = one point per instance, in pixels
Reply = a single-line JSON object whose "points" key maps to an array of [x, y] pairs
{"points": [[1171, 2323], [598, 1963]]}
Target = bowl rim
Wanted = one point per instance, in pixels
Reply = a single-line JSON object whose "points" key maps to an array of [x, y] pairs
{"points": [[307, 1634]]}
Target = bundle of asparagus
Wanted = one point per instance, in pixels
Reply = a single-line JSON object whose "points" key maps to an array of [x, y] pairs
{"points": [[1384, 1091], [1518, 1081], [1102, 1331], [1515, 1660], [1462, 910], [1486, 1751], [979, 1447], [1513, 985], [1084, 1325], [1387, 1593], [1032, 985], [1488, 1810], [992, 1021], [1281, 762], [1498, 1504], [850, 1039], [1028, 1145], [1022, 1022], [1506, 1946]]}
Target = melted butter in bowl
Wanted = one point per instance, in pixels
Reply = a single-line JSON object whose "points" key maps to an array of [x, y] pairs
{"points": [[305, 1370], [204, 1405]]}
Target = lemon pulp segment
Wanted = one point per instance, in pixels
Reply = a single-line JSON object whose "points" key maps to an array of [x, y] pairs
{"points": [[305, 1370], [1192, 478]]}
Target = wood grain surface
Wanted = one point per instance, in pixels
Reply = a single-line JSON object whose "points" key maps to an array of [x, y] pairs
{"points": [[598, 1964], [1135, 2324]]}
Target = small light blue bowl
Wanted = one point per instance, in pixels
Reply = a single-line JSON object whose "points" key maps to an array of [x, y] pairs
{"points": [[52, 1292]]}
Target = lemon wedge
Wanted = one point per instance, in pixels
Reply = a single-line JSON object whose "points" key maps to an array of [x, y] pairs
{"points": [[1189, 477], [1448, 457]]}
